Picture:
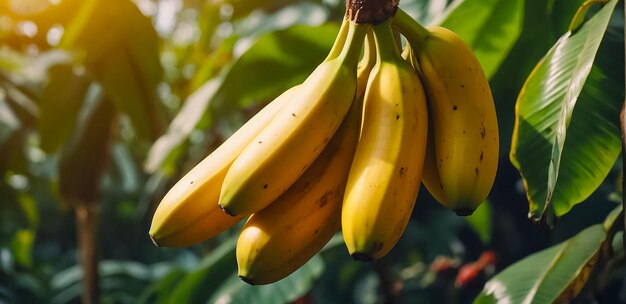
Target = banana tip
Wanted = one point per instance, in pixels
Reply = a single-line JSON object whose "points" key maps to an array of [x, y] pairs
{"points": [[247, 280], [362, 257], [464, 212], [227, 211], [154, 241]]}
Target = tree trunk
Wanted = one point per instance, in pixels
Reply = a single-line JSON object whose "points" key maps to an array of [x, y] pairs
{"points": [[87, 230]]}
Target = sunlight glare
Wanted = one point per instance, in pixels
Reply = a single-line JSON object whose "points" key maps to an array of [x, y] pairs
{"points": [[27, 28], [54, 35], [166, 15]]}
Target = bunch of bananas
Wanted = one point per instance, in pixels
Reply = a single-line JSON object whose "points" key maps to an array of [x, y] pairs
{"points": [[345, 149]]}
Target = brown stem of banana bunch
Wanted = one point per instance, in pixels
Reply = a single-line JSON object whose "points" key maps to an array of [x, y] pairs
{"points": [[87, 228], [370, 11]]}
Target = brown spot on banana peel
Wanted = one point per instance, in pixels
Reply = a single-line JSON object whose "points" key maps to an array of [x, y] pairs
{"points": [[482, 155], [377, 246], [324, 199], [327, 196], [454, 107]]}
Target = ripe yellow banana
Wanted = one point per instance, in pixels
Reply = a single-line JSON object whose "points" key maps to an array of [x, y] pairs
{"points": [[189, 213], [385, 175], [462, 154], [279, 239], [281, 153]]}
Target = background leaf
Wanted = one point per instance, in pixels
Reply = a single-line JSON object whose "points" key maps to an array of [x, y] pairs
{"points": [[545, 275], [9, 122], [490, 27], [286, 290], [562, 12], [424, 11], [480, 221], [282, 59], [85, 157], [285, 59], [557, 171], [120, 48], [60, 102], [200, 284]]}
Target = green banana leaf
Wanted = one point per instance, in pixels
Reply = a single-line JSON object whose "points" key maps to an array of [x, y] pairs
{"points": [[120, 281], [286, 290], [21, 98], [556, 274], [276, 62], [560, 173], [424, 11], [561, 12], [201, 283], [84, 157], [285, 57], [490, 27], [480, 222], [91, 33], [59, 104], [241, 8], [24, 238], [9, 122], [215, 280], [119, 46], [168, 148], [158, 292]]}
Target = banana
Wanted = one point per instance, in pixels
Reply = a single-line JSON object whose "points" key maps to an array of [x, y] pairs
{"points": [[189, 213], [462, 154], [281, 153], [385, 174], [279, 239]]}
